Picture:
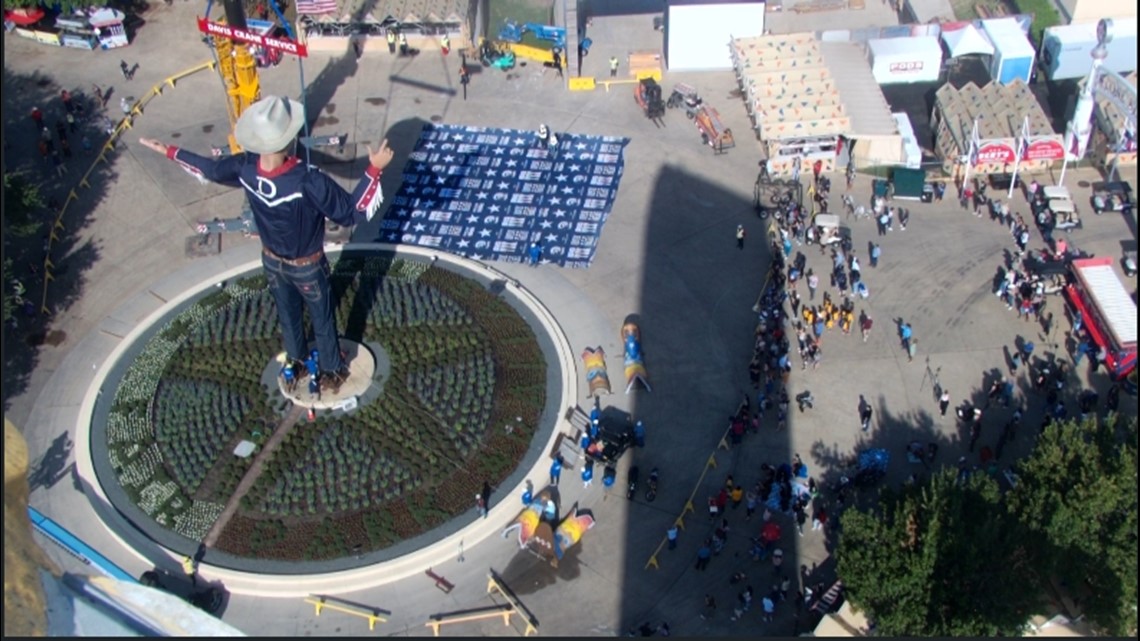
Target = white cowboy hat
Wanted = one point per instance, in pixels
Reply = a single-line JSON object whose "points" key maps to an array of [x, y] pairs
{"points": [[269, 125]]}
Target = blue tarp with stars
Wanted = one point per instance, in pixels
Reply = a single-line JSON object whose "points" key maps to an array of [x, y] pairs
{"points": [[488, 194]]}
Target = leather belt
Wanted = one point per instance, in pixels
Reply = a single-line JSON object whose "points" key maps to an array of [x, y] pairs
{"points": [[303, 261]]}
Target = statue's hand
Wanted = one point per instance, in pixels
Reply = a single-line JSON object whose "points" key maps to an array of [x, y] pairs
{"points": [[151, 143], [382, 156]]}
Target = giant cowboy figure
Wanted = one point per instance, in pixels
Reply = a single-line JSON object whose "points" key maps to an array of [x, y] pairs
{"points": [[290, 202]]}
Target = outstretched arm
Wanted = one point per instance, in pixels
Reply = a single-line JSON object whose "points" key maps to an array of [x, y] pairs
{"points": [[224, 170], [341, 207]]}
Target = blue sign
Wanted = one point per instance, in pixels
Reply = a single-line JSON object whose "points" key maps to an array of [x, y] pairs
{"points": [[488, 194]]}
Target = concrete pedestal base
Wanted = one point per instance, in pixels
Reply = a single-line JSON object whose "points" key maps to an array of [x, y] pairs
{"points": [[361, 366]]}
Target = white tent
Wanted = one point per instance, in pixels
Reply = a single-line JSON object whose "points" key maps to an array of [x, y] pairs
{"points": [[967, 40]]}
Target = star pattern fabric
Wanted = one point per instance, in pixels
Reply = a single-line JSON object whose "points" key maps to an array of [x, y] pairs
{"points": [[488, 193]]}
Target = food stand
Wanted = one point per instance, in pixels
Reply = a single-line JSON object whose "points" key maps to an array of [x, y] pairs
{"points": [[996, 129], [109, 28]]}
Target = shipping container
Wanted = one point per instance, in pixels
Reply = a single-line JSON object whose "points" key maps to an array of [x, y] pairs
{"points": [[905, 60]]}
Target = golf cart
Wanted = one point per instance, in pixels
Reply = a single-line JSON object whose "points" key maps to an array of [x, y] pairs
{"points": [[1111, 196], [828, 229]]}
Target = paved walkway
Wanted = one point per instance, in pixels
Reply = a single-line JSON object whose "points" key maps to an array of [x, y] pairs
{"points": [[667, 254]]}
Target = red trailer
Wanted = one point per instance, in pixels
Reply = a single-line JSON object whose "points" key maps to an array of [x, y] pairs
{"points": [[1108, 310]]}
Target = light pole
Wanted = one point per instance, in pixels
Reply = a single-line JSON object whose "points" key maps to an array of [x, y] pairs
{"points": [[971, 150]]}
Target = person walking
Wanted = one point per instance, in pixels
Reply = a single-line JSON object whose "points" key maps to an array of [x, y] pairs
{"points": [[865, 324], [481, 504], [709, 608], [750, 502], [905, 333], [812, 283], [403, 41], [556, 471], [535, 254], [737, 495], [819, 519], [704, 553], [740, 236], [38, 118], [613, 66], [639, 434], [445, 45], [671, 534], [865, 413], [60, 168], [290, 202], [557, 62], [875, 252], [944, 402], [126, 69], [587, 473]]}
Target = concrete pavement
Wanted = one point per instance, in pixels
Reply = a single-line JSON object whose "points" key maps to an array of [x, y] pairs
{"points": [[667, 254]]}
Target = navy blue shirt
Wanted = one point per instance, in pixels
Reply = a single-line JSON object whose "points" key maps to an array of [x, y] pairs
{"points": [[290, 203]]}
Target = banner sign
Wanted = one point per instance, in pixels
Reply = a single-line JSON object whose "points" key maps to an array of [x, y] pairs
{"points": [[283, 45], [1045, 150], [995, 152]]}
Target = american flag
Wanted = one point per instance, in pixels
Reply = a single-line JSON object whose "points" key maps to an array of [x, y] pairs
{"points": [[316, 7]]}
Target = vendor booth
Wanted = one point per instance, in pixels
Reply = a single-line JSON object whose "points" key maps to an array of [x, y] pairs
{"points": [[905, 60], [1013, 55], [1113, 142], [109, 28], [808, 99], [996, 129], [964, 39]]}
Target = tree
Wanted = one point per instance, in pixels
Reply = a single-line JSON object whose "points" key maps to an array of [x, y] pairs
{"points": [[939, 559], [22, 201], [1077, 494]]}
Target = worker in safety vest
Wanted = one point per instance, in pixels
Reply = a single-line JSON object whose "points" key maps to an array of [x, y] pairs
{"points": [[190, 567], [391, 41], [403, 44], [445, 44]]}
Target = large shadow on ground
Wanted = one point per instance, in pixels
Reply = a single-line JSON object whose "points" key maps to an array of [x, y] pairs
{"points": [[71, 252], [697, 291]]}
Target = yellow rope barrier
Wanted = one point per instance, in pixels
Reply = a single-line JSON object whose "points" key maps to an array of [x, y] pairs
{"points": [[123, 125]]}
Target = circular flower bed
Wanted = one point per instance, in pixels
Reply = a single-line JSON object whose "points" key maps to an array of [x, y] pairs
{"points": [[465, 394]]}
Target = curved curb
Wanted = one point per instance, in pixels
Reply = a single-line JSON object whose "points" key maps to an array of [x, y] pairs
{"points": [[301, 585]]}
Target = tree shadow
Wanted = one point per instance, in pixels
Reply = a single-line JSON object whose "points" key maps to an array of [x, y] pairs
{"points": [[63, 250]]}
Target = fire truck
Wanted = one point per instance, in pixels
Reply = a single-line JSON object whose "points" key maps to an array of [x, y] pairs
{"points": [[1109, 312]]}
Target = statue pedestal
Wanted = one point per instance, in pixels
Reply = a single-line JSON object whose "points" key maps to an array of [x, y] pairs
{"points": [[361, 367]]}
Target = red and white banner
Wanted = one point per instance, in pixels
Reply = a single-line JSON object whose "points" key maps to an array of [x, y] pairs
{"points": [[1045, 150], [283, 45], [995, 152]]}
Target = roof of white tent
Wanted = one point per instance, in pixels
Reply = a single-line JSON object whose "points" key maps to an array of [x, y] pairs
{"points": [[967, 40]]}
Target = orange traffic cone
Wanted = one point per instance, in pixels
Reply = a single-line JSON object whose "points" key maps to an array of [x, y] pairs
{"points": [[312, 415]]}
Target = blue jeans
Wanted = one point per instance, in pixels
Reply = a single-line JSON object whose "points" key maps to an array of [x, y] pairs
{"points": [[293, 289]]}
